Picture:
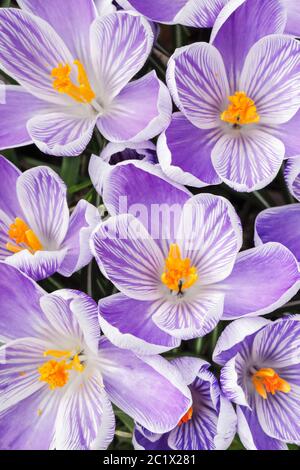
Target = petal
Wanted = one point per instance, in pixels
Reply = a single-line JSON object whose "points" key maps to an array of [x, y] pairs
{"points": [[292, 176], [61, 134], [85, 419], [197, 80], [104, 7], [126, 120], [128, 324], [280, 224], [184, 153], [42, 196], [148, 389], [83, 221], [229, 378], [271, 76], [72, 24], [157, 441], [129, 257], [257, 18], [253, 288], [9, 175], [15, 133], [125, 41], [190, 367], [293, 16], [210, 235], [29, 50], [229, 342], [21, 315], [249, 159], [191, 316], [288, 133]]}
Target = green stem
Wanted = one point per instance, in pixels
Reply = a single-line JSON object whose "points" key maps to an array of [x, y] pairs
{"points": [[261, 199]]}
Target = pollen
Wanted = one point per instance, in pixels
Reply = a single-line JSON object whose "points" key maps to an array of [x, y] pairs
{"points": [[56, 373], [241, 110], [178, 274], [268, 381], [187, 417], [82, 91], [23, 238]]}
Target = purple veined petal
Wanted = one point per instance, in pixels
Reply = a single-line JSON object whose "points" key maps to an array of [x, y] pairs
{"points": [[248, 159], [271, 77], [62, 134], [113, 154], [149, 388], [9, 175], [197, 80], [234, 334], [227, 425], [85, 418], [129, 257], [42, 196], [184, 153], [125, 118], [125, 41], [19, 376], [196, 13], [39, 265], [263, 279], [15, 133], [142, 442], [293, 17], [35, 415], [210, 235], [21, 315], [288, 133], [254, 16], [29, 50], [5, 222], [280, 224], [190, 367], [251, 433], [128, 324], [229, 378], [83, 221], [72, 24], [191, 316], [292, 176], [105, 7]]}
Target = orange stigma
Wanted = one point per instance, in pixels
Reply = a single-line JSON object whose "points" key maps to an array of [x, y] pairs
{"points": [[267, 381], [187, 417], [241, 110], [178, 274], [24, 238], [56, 373], [81, 92]]}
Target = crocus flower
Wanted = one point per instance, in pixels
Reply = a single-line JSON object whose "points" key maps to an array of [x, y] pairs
{"points": [[209, 424], [37, 234], [115, 154], [238, 98], [74, 70], [175, 260], [261, 362], [58, 376]]}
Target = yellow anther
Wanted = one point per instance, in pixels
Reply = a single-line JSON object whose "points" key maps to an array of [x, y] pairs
{"points": [[81, 92], [56, 373], [241, 110], [23, 236], [178, 274], [268, 381]]}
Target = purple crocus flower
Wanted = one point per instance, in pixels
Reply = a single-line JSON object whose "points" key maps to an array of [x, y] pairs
{"points": [[175, 259], [37, 234], [261, 366], [58, 376], [74, 69], [239, 99], [210, 423], [115, 154]]}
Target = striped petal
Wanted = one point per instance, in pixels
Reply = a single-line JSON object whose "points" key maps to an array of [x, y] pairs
{"points": [[292, 176]]}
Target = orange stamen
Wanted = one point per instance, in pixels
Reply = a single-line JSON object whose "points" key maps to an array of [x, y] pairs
{"points": [[23, 236], [267, 381], [241, 110], [178, 274], [81, 92]]}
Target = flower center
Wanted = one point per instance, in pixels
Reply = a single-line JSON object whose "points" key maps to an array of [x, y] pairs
{"points": [[187, 417], [81, 92], [23, 236], [56, 373], [267, 381], [241, 110], [178, 274]]}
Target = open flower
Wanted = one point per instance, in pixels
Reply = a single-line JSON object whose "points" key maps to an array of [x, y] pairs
{"points": [[58, 376], [176, 263], [74, 74], [261, 362], [239, 99], [37, 234], [209, 424]]}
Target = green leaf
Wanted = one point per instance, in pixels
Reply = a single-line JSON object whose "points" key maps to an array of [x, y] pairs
{"points": [[126, 420], [70, 170]]}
